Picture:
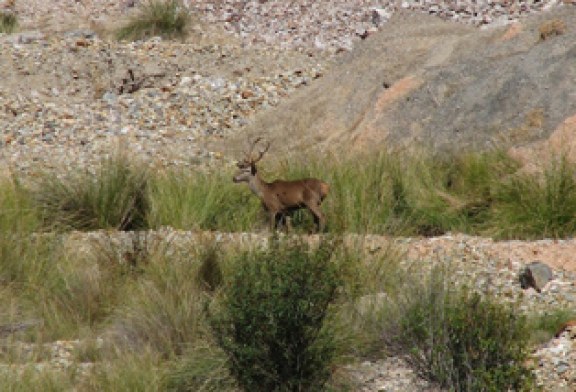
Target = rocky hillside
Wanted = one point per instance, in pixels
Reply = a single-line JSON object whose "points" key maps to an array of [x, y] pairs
{"points": [[424, 81], [328, 74]]}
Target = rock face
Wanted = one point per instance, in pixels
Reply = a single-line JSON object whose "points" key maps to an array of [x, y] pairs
{"points": [[440, 84]]}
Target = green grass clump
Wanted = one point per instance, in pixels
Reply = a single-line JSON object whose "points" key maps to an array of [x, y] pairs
{"points": [[115, 197], [410, 193], [8, 22], [271, 320], [17, 211], [166, 18], [162, 309], [532, 206], [207, 201], [459, 339]]}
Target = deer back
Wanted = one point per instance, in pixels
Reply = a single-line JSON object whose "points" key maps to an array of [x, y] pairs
{"points": [[296, 193]]}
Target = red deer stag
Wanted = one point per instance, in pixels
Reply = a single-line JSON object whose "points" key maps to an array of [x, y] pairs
{"points": [[280, 198]]}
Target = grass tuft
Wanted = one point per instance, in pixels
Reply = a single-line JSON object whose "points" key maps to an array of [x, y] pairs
{"points": [[8, 22], [532, 206], [166, 18], [115, 197]]}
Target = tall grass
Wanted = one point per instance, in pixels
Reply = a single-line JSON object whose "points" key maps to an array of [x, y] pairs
{"points": [[17, 210], [166, 18], [397, 194], [162, 310], [208, 201], [409, 193], [114, 197], [536, 206]]}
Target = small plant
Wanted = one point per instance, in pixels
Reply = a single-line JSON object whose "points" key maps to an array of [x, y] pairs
{"points": [[551, 28], [114, 197], [166, 18], [272, 318], [8, 22], [459, 339]]}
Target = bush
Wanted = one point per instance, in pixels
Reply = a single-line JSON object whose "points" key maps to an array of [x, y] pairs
{"points": [[115, 197], [461, 340], [166, 18], [272, 318]]}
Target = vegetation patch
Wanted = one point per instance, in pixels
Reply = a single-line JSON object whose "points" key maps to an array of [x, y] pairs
{"points": [[272, 319], [460, 339], [165, 18], [551, 28], [114, 197], [8, 22]]}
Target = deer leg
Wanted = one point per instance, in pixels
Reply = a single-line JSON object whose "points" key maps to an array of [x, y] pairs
{"points": [[279, 220], [273, 220], [319, 219]]}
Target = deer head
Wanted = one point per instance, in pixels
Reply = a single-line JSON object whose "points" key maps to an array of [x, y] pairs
{"points": [[247, 165]]}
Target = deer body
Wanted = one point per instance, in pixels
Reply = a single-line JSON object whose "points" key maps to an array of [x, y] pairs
{"points": [[280, 198]]}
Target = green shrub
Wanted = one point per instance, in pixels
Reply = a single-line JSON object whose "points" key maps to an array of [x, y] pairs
{"points": [[8, 22], [459, 339], [166, 18], [271, 319], [115, 197]]}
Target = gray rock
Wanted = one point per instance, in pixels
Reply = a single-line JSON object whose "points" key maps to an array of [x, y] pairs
{"points": [[535, 275]]}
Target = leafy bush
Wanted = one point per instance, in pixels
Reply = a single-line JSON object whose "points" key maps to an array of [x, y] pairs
{"points": [[272, 318], [459, 339], [115, 197], [166, 18]]}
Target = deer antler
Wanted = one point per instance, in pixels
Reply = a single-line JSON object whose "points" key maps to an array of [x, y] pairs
{"points": [[260, 153]]}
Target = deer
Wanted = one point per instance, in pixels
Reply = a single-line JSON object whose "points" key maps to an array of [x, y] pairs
{"points": [[280, 198]]}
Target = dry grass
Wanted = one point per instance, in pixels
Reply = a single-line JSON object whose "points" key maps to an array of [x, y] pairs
{"points": [[551, 28]]}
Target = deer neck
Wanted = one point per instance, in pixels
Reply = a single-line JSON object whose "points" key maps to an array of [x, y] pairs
{"points": [[257, 185]]}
